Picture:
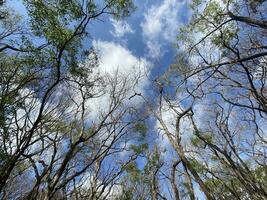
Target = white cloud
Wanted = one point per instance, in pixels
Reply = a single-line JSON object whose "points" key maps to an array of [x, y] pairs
{"points": [[120, 28], [116, 57], [161, 25], [117, 62]]}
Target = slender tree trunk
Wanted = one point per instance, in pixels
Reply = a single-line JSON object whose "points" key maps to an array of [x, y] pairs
{"points": [[190, 184], [154, 186], [174, 187]]}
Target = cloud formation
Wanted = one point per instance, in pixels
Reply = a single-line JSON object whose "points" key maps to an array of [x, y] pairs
{"points": [[117, 63], [160, 25], [120, 28]]}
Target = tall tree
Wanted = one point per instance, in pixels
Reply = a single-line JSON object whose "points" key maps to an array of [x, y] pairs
{"points": [[47, 81], [219, 102]]}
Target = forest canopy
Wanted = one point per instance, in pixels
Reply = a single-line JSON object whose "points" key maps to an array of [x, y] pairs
{"points": [[82, 117]]}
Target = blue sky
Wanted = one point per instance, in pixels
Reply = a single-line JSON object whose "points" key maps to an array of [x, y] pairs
{"points": [[147, 33]]}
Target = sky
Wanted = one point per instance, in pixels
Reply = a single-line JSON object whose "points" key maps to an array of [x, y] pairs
{"points": [[149, 33], [147, 36]]}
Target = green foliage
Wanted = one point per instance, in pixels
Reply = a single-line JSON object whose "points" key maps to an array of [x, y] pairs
{"points": [[3, 156], [260, 174], [221, 184], [208, 137], [138, 149], [229, 34], [138, 181], [141, 128], [126, 195], [55, 20], [51, 19], [197, 165], [214, 11], [195, 3], [121, 8], [196, 141], [133, 171]]}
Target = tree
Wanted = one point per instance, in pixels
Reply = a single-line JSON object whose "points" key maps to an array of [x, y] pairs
{"points": [[47, 82], [219, 101], [143, 182]]}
